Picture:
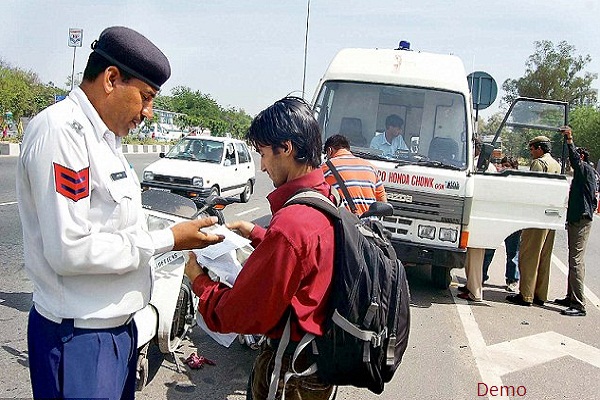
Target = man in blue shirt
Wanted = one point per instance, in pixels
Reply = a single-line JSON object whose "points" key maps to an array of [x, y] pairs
{"points": [[391, 140]]}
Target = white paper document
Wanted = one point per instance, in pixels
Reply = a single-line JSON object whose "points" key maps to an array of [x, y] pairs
{"points": [[232, 241], [222, 259]]}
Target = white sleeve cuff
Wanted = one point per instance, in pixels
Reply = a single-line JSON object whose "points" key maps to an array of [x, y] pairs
{"points": [[163, 240]]}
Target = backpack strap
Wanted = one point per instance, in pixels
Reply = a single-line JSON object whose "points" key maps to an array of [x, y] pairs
{"points": [[315, 199], [285, 339], [342, 184]]}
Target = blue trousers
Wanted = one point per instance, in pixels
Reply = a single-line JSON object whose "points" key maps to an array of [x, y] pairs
{"points": [[511, 243], [68, 362]]}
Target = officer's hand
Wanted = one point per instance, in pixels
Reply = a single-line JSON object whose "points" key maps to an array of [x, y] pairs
{"points": [[192, 268], [243, 227], [189, 234], [566, 132]]}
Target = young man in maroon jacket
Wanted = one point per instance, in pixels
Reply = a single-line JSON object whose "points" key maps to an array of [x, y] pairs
{"points": [[290, 270]]}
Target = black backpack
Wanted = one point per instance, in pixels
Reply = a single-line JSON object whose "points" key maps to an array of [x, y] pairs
{"points": [[367, 328]]}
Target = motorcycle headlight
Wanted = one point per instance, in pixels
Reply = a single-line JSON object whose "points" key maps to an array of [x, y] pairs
{"points": [[148, 175], [197, 181], [155, 223]]}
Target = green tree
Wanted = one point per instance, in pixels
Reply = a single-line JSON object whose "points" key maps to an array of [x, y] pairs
{"points": [[585, 121], [202, 111], [554, 73], [22, 93]]}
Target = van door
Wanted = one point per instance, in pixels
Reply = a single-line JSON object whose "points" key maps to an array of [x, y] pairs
{"points": [[511, 200]]}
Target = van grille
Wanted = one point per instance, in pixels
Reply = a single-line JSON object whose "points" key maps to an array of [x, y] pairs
{"points": [[424, 206]]}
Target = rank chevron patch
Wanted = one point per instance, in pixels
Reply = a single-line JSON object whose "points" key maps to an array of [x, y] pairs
{"points": [[74, 185]]}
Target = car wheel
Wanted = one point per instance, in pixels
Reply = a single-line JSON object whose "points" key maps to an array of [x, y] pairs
{"points": [[245, 195], [214, 191]]}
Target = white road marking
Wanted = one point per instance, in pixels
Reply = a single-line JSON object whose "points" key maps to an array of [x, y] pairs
{"points": [[586, 290], [485, 364], [526, 352], [513, 355], [8, 204], [247, 211]]}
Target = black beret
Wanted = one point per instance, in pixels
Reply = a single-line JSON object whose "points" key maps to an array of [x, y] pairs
{"points": [[134, 54]]}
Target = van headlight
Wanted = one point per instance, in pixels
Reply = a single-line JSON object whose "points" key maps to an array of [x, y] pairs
{"points": [[427, 232], [448, 235], [197, 181], [148, 175]]}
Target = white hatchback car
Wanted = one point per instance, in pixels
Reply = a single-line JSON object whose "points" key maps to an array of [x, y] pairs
{"points": [[198, 166]]}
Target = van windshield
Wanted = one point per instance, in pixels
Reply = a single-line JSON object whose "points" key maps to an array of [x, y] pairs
{"points": [[407, 125], [197, 150]]}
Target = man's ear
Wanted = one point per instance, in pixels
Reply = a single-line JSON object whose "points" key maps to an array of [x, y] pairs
{"points": [[287, 147], [111, 74]]}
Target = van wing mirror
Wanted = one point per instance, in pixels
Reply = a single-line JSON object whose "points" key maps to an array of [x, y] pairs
{"points": [[484, 157]]}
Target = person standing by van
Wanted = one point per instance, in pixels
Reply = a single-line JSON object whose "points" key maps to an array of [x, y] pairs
{"points": [[580, 214], [359, 176], [535, 251]]}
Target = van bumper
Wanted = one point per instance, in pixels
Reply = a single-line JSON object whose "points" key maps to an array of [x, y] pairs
{"points": [[411, 253]]}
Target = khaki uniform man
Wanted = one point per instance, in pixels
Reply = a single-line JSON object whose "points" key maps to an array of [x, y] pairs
{"points": [[535, 251]]}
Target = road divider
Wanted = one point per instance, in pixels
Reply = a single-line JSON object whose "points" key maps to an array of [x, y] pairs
{"points": [[14, 149]]}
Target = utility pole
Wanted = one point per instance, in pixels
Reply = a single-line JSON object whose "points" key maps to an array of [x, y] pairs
{"points": [[305, 47]]}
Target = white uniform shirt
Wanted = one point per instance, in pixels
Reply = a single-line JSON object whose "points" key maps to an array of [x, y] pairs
{"points": [[86, 244], [380, 142]]}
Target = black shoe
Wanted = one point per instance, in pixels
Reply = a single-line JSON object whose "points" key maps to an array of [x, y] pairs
{"points": [[463, 289], [573, 312], [518, 300], [566, 302], [538, 302]]}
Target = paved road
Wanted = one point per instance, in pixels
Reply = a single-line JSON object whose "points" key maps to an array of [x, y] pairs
{"points": [[455, 348]]}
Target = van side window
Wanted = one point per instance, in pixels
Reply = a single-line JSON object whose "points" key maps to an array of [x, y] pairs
{"points": [[243, 153]]}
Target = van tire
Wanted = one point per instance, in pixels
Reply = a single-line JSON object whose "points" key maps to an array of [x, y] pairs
{"points": [[245, 195], [440, 276], [214, 191]]}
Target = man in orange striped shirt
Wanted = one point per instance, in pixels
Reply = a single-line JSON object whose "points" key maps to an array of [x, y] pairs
{"points": [[359, 175]]}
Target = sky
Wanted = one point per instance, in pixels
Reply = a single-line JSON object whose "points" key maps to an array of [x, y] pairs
{"points": [[248, 54]]}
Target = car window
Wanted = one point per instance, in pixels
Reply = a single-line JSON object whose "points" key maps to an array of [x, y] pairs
{"points": [[243, 153], [230, 154]]}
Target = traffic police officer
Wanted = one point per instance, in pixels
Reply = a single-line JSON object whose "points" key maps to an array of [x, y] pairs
{"points": [[87, 248], [535, 251]]}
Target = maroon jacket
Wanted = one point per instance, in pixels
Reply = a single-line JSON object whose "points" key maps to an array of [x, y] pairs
{"points": [[292, 264]]}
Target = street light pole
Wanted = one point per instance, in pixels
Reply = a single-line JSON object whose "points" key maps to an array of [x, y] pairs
{"points": [[305, 47]]}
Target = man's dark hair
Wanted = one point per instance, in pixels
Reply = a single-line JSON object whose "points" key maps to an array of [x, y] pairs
{"points": [[97, 64], [290, 118], [510, 161], [337, 142], [585, 153], [545, 146], [394, 120]]}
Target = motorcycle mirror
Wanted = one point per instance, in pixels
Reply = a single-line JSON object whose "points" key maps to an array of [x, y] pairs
{"points": [[214, 201], [378, 209]]}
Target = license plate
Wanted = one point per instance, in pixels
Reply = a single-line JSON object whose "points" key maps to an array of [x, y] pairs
{"points": [[161, 189]]}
